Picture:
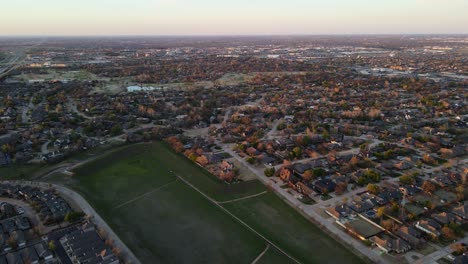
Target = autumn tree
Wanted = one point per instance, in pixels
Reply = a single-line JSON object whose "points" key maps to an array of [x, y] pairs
{"points": [[308, 174], [380, 211], [387, 224], [202, 160], [341, 187], [458, 248], [448, 233], [373, 188], [297, 152], [428, 187], [460, 192]]}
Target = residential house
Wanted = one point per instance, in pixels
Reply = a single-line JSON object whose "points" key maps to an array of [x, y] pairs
{"points": [[84, 245], [304, 188], [388, 245], [339, 211], [446, 218], [43, 252], [361, 206], [29, 255], [19, 237], [410, 235], [325, 186], [429, 226], [461, 211]]}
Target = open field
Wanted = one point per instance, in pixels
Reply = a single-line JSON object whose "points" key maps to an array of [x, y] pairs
{"points": [[163, 219], [273, 256], [159, 217], [19, 172], [51, 74], [117, 85], [269, 215]]}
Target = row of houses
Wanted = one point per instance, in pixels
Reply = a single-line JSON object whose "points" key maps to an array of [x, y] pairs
{"points": [[34, 254], [85, 246], [51, 207]]}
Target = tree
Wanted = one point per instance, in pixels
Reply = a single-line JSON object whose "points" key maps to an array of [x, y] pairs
{"points": [[193, 157], [406, 179], [380, 211], [341, 187], [373, 188], [448, 233], [251, 160], [428, 187], [12, 242], [460, 192], [387, 224], [308, 174], [52, 245], [202, 160], [73, 216], [354, 161], [116, 130], [318, 172], [269, 171], [297, 152]]}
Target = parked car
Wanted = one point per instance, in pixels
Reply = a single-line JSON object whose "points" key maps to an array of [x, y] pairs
{"points": [[20, 210]]}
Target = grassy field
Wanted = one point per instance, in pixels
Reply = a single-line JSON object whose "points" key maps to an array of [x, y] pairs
{"points": [[163, 220], [21, 172], [269, 215], [273, 256], [59, 75]]}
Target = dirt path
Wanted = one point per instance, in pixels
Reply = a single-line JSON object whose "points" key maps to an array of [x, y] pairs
{"points": [[243, 198], [261, 254]]}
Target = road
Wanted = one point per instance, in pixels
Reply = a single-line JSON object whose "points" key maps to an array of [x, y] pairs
{"points": [[71, 106], [31, 214], [25, 117], [440, 253], [273, 130], [89, 210], [44, 146]]}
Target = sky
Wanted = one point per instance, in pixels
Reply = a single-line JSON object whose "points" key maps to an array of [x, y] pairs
{"points": [[234, 17]]}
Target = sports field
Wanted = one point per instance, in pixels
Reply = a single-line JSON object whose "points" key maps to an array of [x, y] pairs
{"points": [[289, 230], [164, 220]]}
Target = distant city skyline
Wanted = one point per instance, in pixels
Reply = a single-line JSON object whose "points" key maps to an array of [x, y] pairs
{"points": [[241, 17]]}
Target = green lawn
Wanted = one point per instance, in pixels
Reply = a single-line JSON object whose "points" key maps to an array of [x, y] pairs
{"points": [[163, 220], [273, 256], [19, 172], [177, 225], [170, 223], [285, 227]]}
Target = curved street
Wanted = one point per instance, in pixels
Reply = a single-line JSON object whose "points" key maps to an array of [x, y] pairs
{"points": [[127, 254]]}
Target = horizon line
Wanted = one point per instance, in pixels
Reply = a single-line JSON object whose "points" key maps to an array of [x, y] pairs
{"points": [[235, 35]]}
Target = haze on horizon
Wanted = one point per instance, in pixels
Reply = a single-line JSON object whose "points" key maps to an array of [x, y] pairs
{"points": [[240, 17]]}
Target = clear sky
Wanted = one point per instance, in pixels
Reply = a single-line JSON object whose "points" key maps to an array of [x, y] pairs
{"points": [[233, 17]]}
